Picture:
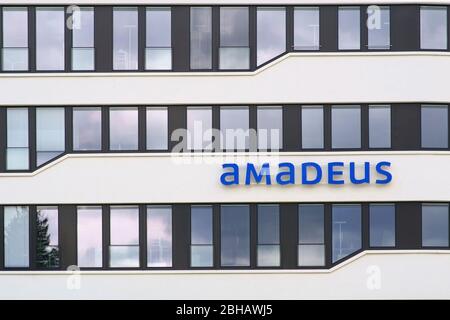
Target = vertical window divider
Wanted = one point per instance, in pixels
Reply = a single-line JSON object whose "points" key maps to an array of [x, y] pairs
{"points": [[288, 235], [215, 37], [2, 238], [364, 33], [32, 137], [3, 138], [32, 38], [68, 114], [327, 127], [289, 28], [253, 125], [142, 125], [252, 36], [216, 126], [365, 229], [33, 237], [141, 37], [216, 236], [1, 36], [105, 129], [328, 236], [68, 34], [364, 126], [253, 235], [106, 223], [142, 236]]}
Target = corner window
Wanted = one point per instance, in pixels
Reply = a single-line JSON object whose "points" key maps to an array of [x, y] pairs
{"points": [[312, 127], [234, 128], [346, 230], [87, 129], [306, 28], [89, 237], [234, 235], [379, 126], [349, 28], [124, 243], [201, 38], [268, 251], [270, 128], [378, 28], [158, 49], [434, 123], [435, 225], [50, 134], [15, 39], [83, 51], [123, 123], [16, 236], [311, 240], [50, 24], [382, 225], [47, 238], [271, 33], [159, 236], [157, 128], [234, 51], [346, 127], [433, 27], [201, 236], [125, 38], [17, 151], [199, 127]]}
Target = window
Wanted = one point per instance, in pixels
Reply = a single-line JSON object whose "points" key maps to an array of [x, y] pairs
{"points": [[433, 27], [345, 127], [159, 236], [234, 51], [16, 224], [123, 124], [382, 225], [15, 39], [87, 129], [199, 126], [435, 225], [311, 240], [50, 137], [201, 38], [201, 236], [378, 28], [268, 253], [349, 28], [234, 128], [89, 237], [270, 128], [271, 33], [158, 49], [124, 248], [17, 152], [47, 253], [306, 28], [157, 129], [346, 230], [235, 235], [312, 127], [83, 51], [379, 126], [50, 38], [434, 123], [125, 39]]}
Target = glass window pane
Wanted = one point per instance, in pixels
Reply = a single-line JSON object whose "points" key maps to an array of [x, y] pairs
{"points": [[157, 129], [379, 126], [199, 126], [16, 233], [159, 236], [268, 224], [123, 123], [47, 251], [158, 32], [268, 256], [379, 32], [234, 27], [17, 127], [124, 225], [349, 28], [271, 33], [15, 59], [234, 58], [435, 225], [235, 235], [89, 235], [50, 24], [158, 58], [306, 28], [124, 256], [311, 224], [234, 127], [346, 230], [202, 256], [83, 28], [312, 127], [382, 225], [125, 38], [17, 159], [201, 37], [50, 137], [15, 27], [270, 128], [83, 59], [87, 129], [433, 27], [201, 225], [311, 255], [434, 126], [346, 127]]}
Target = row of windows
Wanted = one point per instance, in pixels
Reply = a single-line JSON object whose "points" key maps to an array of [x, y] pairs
{"points": [[234, 44], [88, 131], [231, 236]]}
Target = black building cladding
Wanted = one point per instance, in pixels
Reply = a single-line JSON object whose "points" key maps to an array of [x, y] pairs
{"points": [[206, 38]]}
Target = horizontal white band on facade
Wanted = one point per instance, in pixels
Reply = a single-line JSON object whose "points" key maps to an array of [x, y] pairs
{"points": [[167, 178], [293, 78], [376, 274]]}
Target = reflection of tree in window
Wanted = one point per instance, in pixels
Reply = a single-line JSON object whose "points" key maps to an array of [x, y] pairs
{"points": [[47, 255]]}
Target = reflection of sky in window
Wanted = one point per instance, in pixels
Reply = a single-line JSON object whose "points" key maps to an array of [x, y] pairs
{"points": [[311, 224], [199, 124], [349, 24], [270, 128], [382, 225], [50, 38], [124, 225], [89, 237], [346, 126], [234, 27], [125, 38], [201, 37], [157, 128], [87, 129], [433, 27], [306, 28], [234, 124], [271, 33], [123, 129], [235, 235], [83, 33], [312, 127], [158, 32], [16, 224], [346, 230], [201, 225], [434, 127], [15, 27], [51, 214], [379, 38], [435, 225], [268, 224], [159, 236]]}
